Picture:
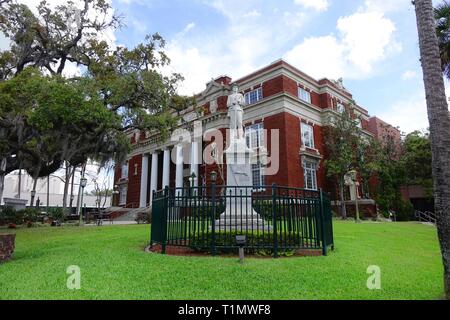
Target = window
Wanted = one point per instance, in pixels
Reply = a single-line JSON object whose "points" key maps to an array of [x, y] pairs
{"points": [[358, 123], [123, 194], [309, 169], [307, 135], [257, 174], [304, 95], [254, 135], [340, 108], [125, 171], [253, 96], [255, 139]]}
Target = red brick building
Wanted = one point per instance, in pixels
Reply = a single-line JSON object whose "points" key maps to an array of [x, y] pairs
{"points": [[278, 96]]}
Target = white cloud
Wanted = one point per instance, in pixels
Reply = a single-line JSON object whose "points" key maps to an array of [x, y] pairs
{"points": [[319, 56], [253, 13], [243, 45], [384, 6], [409, 74], [319, 5], [409, 114], [295, 20], [364, 39]]}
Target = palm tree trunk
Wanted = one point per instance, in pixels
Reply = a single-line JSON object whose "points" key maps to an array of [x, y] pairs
{"points": [[439, 118]]}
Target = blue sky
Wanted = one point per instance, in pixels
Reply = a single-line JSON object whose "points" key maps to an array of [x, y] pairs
{"points": [[372, 44]]}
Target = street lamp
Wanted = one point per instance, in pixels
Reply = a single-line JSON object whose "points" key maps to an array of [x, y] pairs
{"points": [[354, 176], [33, 194], [83, 182], [114, 193], [192, 180], [213, 176]]}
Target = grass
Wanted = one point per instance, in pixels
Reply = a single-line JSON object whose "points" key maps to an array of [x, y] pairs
{"points": [[114, 266]]}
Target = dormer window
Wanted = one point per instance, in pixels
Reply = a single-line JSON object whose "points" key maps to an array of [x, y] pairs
{"points": [[340, 108], [253, 96], [304, 95]]}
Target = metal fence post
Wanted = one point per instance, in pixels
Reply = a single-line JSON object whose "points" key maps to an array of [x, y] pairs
{"points": [[164, 218], [213, 218], [322, 226], [274, 221]]}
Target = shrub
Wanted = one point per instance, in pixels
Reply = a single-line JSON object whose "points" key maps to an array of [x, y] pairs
{"points": [[57, 214], [10, 215], [144, 217], [30, 214], [405, 211]]}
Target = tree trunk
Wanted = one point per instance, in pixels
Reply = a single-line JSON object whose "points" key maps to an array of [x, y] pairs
{"points": [[33, 192], [439, 118], [48, 194], [71, 188], [66, 187], [2, 178], [342, 199]]}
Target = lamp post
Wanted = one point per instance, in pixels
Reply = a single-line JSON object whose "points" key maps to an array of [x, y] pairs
{"points": [[213, 176], [192, 180], [354, 177], [114, 193], [33, 194], [83, 182]]}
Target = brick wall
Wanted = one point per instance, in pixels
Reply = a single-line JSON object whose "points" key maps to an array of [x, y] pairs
{"points": [[7, 245], [134, 181]]}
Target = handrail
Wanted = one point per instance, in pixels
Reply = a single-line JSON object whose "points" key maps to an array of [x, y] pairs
{"points": [[426, 216]]}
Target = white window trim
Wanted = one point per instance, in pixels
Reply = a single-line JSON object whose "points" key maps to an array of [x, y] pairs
{"points": [[302, 126], [300, 96], [259, 128], [259, 96], [122, 175], [124, 189], [314, 186]]}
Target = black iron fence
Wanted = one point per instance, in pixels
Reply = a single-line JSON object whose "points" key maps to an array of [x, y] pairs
{"points": [[272, 218]]}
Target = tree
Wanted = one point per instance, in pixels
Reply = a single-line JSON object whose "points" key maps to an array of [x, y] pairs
{"points": [[439, 119], [442, 16], [342, 138], [128, 83], [416, 161]]}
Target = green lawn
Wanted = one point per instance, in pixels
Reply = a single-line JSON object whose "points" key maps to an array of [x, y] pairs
{"points": [[114, 266]]}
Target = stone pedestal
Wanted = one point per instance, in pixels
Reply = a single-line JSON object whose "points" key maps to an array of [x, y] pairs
{"points": [[7, 244], [15, 203], [239, 214]]}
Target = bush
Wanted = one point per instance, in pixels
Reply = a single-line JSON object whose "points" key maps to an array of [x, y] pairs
{"points": [[144, 217], [405, 211], [30, 214], [10, 216], [57, 214]]}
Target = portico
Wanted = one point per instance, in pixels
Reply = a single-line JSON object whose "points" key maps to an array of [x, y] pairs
{"points": [[151, 177]]}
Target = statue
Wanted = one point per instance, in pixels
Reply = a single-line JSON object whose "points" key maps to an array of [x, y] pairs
{"points": [[235, 104]]}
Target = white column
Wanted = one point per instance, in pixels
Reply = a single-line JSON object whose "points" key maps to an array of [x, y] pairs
{"points": [[144, 180], [166, 168], [194, 161], [154, 176], [179, 163]]}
